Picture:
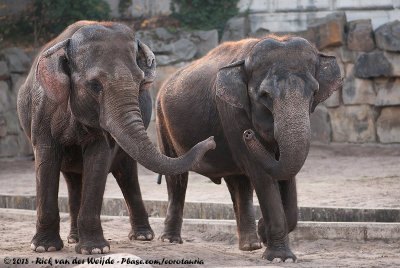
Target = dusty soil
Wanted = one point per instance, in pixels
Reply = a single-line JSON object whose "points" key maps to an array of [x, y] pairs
{"points": [[214, 249], [335, 175]]}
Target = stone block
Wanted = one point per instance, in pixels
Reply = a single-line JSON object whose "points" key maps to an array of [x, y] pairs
{"points": [[254, 6], [141, 9], [205, 41], [372, 64], [349, 70], [236, 28], [394, 61], [388, 91], [364, 4], [329, 31], [9, 146], [333, 100], [360, 36], [5, 100], [4, 73], [320, 125], [3, 126], [358, 91], [347, 55], [17, 81], [354, 123], [301, 5], [387, 36], [17, 60], [388, 125]]}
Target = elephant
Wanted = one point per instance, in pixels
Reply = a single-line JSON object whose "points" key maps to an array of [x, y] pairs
{"points": [[255, 96], [85, 107]]}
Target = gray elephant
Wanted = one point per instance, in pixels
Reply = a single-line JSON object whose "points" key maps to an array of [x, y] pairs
{"points": [[85, 106], [255, 97]]}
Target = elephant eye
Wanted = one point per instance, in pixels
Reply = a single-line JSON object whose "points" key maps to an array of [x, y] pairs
{"points": [[95, 85]]}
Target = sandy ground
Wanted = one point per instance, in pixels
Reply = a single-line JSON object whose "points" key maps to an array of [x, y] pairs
{"points": [[335, 175], [214, 249]]}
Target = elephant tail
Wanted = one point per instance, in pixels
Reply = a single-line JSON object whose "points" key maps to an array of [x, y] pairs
{"points": [[159, 178]]}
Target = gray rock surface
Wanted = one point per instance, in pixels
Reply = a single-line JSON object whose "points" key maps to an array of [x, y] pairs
{"points": [[372, 64], [353, 123], [358, 91], [236, 28], [388, 91], [4, 72], [204, 41], [333, 100], [17, 60], [360, 36], [320, 125], [387, 36], [388, 125]]}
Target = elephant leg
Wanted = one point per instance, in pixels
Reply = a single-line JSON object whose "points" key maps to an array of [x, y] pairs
{"points": [[74, 184], [126, 174], [47, 166], [242, 197], [96, 164], [276, 227], [289, 201]]}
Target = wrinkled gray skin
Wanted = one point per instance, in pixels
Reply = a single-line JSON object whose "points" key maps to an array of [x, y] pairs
{"points": [[85, 106], [255, 97]]}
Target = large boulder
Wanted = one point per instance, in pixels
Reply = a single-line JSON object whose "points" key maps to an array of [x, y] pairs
{"points": [[4, 72], [354, 123], [320, 126], [358, 91], [17, 60], [333, 100], [204, 41], [372, 64], [388, 125], [236, 28], [388, 91], [360, 36], [387, 36], [328, 31]]}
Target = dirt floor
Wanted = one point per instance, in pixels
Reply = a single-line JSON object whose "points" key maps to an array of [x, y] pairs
{"points": [[214, 249], [335, 175]]}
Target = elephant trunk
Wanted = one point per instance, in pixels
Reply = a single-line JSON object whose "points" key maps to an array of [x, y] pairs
{"points": [[124, 123], [292, 133]]}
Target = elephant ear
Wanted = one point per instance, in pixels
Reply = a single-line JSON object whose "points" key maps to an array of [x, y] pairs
{"points": [[231, 86], [52, 72], [329, 78], [147, 63]]}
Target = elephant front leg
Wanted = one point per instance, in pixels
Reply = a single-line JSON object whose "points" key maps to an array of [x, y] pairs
{"points": [[176, 200], [242, 197], [126, 174], [74, 184], [276, 227], [47, 166], [96, 164], [289, 201]]}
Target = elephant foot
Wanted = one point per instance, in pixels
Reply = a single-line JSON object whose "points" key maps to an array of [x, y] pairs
{"points": [[171, 237], [43, 242], [141, 233], [249, 243], [73, 238], [279, 255], [92, 247]]}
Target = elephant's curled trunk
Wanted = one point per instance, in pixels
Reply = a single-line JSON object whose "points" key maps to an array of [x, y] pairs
{"points": [[126, 127]]}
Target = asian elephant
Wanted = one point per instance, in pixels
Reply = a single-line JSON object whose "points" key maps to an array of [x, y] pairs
{"points": [[85, 106], [255, 97]]}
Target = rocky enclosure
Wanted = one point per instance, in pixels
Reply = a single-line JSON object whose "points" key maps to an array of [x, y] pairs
{"points": [[366, 110]]}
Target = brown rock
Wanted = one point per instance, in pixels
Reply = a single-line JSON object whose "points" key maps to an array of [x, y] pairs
{"points": [[328, 31], [358, 91], [388, 91], [320, 125], [360, 36], [388, 125], [354, 123]]}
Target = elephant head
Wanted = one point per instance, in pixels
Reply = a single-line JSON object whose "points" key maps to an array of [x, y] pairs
{"points": [[99, 73], [277, 85]]}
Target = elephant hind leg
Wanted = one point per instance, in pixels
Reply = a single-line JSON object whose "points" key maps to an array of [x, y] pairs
{"points": [[74, 184], [126, 174], [176, 186], [242, 196]]}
